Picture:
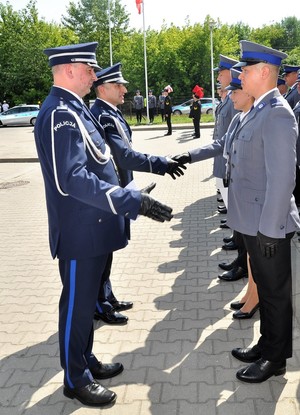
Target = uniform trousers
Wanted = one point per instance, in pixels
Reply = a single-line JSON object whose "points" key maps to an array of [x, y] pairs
{"points": [[196, 123], [81, 281], [296, 191], [151, 114], [106, 296], [241, 260], [223, 190], [273, 277], [168, 120]]}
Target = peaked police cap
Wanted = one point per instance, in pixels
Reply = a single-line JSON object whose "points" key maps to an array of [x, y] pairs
{"points": [[79, 53], [253, 53], [112, 74]]}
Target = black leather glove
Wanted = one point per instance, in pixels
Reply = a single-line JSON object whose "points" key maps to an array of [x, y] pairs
{"points": [[183, 158], [174, 168], [148, 188], [154, 209], [268, 246]]}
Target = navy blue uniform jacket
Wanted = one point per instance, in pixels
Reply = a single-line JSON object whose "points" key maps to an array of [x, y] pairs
{"points": [[126, 159], [87, 207]]}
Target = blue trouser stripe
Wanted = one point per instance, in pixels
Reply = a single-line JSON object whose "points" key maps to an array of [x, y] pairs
{"points": [[72, 277]]}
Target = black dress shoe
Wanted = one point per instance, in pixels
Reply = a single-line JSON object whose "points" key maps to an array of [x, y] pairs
{"points": [[168, 134], [230, 246], [236, 305], [241, 315], [111, 317], [122, 305], [234, 274], [106, 370], [261, 370], [228, 239], [222, 209], [227, 267], [92, 394], [224, 226], [248, 355], [220, 200], [223, 220]]}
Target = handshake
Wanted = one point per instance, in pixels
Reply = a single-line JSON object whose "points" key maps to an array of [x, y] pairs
{"points": [[176, 165], [151, 207]]}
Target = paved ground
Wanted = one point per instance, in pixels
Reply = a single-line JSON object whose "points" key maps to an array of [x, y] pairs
{"points": [[176, 346]]}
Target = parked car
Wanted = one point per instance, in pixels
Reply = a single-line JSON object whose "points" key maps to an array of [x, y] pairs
{"points": [[19, 115], [184, 108]]}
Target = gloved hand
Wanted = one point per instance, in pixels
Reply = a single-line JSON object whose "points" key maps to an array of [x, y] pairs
{"points": [[174, 168], [148, 188], [268, 246], [154, 209], [183, 158]]}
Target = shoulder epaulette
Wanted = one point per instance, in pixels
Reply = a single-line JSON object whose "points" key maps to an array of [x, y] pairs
{"points": [[275, 102], [62, 106]]}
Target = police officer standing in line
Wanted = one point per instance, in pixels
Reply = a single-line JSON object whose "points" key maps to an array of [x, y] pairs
{"points": [[138, 103], [296, 111], [222, 146], [110, 88], [86, 208], [292, 97], [237, 269], [282, 86], [226, 112], [168, 108], [261, 176], [151, 105], [195, 110], [263, 209], [290, 76], [161, 105]]}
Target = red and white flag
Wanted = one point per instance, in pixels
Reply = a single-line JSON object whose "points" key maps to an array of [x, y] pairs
{"points": [[139, 5]]}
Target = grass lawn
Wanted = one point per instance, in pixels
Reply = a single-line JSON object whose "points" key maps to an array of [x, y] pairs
{"points": [[176, 119]]}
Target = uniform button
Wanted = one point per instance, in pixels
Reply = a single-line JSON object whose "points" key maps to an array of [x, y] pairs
{"points": [[99, 220], [233, 165], [281, 227], [234, 152], [256, 199], [127, 213]]}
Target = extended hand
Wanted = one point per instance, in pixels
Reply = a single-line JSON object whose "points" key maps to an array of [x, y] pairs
{"points": [[175, 168], [154, 209], [183, 158], [268, 246]]}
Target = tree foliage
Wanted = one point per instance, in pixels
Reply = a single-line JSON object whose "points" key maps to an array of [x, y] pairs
{"points": [[180, 56]]}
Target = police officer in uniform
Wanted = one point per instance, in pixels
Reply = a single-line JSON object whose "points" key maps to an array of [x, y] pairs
{"points": [[161, 105], [138, 102], [168, 108], [152, 105], [110, 88], [195, 109], [290, 76], [293, 97], [263, 209], [86, 208], [222, 147], [225, 114]]}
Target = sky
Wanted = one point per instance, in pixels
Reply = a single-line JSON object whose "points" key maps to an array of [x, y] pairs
{"points": [[156, 12]]}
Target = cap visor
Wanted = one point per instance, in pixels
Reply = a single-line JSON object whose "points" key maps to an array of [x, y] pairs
{"points": [[240, 64], [96, 67]]}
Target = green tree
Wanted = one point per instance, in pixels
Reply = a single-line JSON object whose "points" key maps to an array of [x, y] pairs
{"points": [[25, 74], [89, 20]]}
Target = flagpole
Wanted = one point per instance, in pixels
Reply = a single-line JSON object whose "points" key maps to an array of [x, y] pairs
{"points": [[109, 31], [145, 62]]}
